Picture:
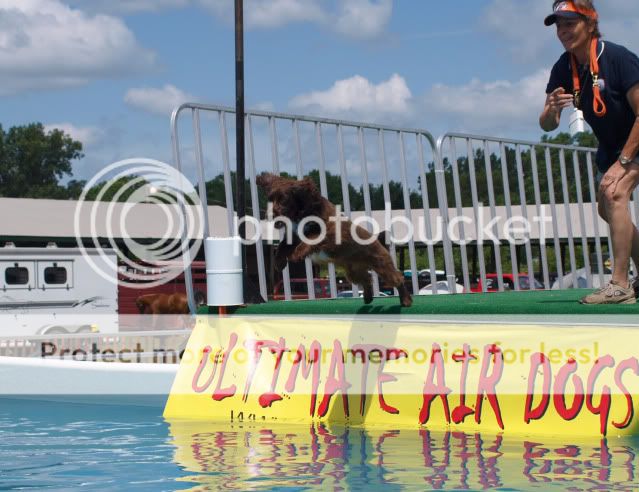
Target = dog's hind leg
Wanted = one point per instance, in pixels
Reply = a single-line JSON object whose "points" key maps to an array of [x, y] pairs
{"points": [[391, 276], [405, 298], [362, 278]]}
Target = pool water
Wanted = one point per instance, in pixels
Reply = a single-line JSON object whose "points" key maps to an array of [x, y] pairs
{"points": [[54, 446]]}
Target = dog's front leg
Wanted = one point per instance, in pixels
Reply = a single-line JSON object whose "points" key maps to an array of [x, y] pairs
{"points": [[282, 254], [302, 250]]}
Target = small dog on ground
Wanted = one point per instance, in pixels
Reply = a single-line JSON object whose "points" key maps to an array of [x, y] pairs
{"points": [[166, 303], [327, 237]]}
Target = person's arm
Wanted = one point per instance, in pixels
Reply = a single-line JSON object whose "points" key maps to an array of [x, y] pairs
{"points": [[551, 114], [631, 148]]}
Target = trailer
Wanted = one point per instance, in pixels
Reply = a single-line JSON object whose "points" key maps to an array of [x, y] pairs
{"points": [[53, 290]]}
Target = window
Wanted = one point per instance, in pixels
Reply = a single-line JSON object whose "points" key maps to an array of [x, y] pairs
{"points": [[16, 275], [55, 275]]}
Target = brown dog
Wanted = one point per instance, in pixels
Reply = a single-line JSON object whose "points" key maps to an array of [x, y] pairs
{"points": [[166, 303], [298, 200]]}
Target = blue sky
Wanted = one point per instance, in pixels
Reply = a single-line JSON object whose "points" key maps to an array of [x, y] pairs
{"points": [[110, 71]]}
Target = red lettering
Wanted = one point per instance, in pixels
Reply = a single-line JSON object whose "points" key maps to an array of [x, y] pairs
{"points": [[560, 387], [383, 377], [255, 349], [537, 360], [267, 399], [220, 393], [631, 363], [432, 390], [603, 410], [333, 384], [364, 350], [461, 411], [312, 363], [487, 384], [198, 372], [385, 354]]}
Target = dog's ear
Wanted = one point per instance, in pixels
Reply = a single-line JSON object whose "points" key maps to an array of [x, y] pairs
{"points": [[307, 185], [265, 181]]}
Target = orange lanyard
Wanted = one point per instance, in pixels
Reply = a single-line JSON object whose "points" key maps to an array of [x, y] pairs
{"points": [[598, 105]]}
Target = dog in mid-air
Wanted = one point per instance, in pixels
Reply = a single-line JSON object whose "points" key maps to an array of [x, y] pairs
{"points": [[299, 199]]}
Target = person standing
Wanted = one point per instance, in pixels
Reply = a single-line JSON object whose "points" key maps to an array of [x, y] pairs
{"points": [[601, 78]]}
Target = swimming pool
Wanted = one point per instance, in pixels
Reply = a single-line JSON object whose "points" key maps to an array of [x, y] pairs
{"points": [[71, 446]]}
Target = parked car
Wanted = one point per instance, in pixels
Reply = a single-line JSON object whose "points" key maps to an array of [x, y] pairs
{"points": [[423, 277], [565, 282], [299, 289], [349, 293], [526, 282], [441, 287]]}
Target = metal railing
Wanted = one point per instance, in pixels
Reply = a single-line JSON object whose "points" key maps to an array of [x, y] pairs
{"points": [[357, 153], [461, 180], [533, 179]]}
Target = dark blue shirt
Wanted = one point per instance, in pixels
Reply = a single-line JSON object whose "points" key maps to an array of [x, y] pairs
{"points": [[619, 69]]}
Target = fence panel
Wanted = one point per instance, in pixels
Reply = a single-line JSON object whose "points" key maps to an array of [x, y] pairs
{"points": [[484, 212], [373, 171], [539, 226]]}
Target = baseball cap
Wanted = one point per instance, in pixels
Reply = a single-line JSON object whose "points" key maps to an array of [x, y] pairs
{"points": [[568, 10]]}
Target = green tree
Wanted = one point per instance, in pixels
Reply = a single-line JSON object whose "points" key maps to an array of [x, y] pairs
{"points": [[74, 188], [33, 161], [122, 188]]}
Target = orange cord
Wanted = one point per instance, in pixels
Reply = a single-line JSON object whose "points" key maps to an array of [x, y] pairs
{"points": [[598, 105], [221, 310]]}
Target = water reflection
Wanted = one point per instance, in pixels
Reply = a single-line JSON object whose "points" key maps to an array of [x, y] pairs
{"points": [[250, 456]]}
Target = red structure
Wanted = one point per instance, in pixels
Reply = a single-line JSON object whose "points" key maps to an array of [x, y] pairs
{"points": [[127, 294]]}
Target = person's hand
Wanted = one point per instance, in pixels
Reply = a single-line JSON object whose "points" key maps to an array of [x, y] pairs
{"points": [[559, 99], [612, 177]]}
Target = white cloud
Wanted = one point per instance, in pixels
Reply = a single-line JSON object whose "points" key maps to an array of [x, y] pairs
{"points": [[127, 6], [358, 97], [501, 107], [618, 22], [264, 106], [520, 25], [490, 108], [354, 18], [526, 40], [45, 44], [269, 13], [360, 19], [157, 101], [363, 18], [88, 135]]}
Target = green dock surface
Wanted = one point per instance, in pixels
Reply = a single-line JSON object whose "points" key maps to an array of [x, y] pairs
{"points": [[546, 302]]}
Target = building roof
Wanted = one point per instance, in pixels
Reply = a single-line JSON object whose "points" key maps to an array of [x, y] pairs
{"points": [[41, 218]]}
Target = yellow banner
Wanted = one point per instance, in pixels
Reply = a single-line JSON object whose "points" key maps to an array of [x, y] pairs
{"points": [[525, 379]]}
